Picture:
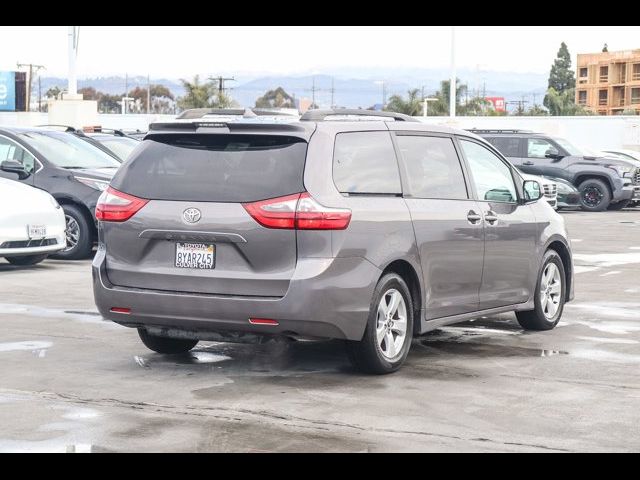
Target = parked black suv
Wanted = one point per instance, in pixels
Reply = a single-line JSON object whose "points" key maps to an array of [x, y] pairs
{"points": [[603, 182], [69, 168]]}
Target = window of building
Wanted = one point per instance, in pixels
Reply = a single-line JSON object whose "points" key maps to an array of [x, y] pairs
{"points": [[635, 95], [604, 74], [582, 97], [365, 162], [603, 96], [433, 167], [583, 71], [635, 73]]}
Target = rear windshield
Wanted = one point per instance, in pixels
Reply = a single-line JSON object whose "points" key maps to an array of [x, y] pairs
{"points": [[214, 168]]}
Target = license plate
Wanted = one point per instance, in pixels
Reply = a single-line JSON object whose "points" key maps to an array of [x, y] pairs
{"points": [[196, 255], [37, 231]]}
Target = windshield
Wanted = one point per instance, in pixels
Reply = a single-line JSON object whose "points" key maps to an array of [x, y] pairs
{"points": [[121, 147], [570, 148], [68, 151]]}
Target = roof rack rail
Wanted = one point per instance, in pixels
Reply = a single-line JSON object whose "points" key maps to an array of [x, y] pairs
{"points": [[195, 113], [65, 128], [498, 130], [321, 115]]}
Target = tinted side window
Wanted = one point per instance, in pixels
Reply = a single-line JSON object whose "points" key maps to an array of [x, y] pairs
{"points": [[508, 146], [365, 162], [433, 167], [491, 176]]}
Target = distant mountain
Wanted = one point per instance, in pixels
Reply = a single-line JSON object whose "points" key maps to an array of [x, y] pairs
{"points": [[352, 87]]}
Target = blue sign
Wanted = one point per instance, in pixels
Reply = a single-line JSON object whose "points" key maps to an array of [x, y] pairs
{"points": [[8, 91]]}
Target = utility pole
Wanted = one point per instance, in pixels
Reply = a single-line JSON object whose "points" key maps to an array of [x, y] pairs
{"points": [[39, 94], [221, 81], [313, 92], [333, 90], [452, 82], [73, 36], [29, 82], [148, 95]]}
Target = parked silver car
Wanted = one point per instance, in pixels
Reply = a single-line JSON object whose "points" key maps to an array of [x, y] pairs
{"points": [[368, 231]]}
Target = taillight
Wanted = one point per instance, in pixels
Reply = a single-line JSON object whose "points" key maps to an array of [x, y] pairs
{"points": [[299, 211], [115, 206]]}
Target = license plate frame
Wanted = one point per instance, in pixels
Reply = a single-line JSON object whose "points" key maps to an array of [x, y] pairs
{"points": [[195, 256], [36, 231]]}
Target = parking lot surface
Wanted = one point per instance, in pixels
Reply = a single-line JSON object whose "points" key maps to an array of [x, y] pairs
{"points": [[70, 381]]}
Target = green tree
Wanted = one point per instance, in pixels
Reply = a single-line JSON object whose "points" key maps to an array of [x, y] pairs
{"points": [[561, 80], [412, 105], [202, 95], [89, 93], [277, 98], [53, 92], [563, 103]]}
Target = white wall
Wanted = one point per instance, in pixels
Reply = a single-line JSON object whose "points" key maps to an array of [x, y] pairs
{"points": [[594, 132]]}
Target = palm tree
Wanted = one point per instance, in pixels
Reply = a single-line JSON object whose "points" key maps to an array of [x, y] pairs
{"points": [[411, 106], [202, 95]]}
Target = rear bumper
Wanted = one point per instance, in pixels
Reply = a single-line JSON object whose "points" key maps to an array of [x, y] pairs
{"points": [[327, 298], [23, 251]]}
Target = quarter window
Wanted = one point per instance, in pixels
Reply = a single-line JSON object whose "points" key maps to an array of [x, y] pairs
{"points": [[491, 176], [365, 162], [433, 167]]}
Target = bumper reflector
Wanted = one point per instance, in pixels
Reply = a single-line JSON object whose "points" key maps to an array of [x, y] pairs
{"points": [[122, 310], [263, 321]]}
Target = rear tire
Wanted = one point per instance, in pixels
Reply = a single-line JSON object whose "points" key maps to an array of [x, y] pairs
{"points": [[26, 260], [165, 344], [620, 205], [594, 195], [549, 297], [394, 329], [82, 235]]}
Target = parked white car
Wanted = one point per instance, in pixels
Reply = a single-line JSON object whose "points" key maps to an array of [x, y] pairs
{"points": [[32, 224], [549, 188]]}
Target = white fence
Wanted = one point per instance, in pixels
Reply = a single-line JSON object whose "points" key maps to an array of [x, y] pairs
{"points": [[594, 132]]}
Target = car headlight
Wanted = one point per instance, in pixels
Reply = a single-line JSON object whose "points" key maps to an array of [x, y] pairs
{"points": [[100, 185], [622, 170]]}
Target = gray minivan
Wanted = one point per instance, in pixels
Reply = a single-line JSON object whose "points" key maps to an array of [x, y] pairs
{"points": [[363, 226]]}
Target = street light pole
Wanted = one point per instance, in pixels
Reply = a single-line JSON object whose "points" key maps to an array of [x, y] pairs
{"points": [[72, 87], [452, 82]]}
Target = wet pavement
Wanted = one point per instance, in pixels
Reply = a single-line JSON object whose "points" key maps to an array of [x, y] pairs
{"points": [[71, 382]]}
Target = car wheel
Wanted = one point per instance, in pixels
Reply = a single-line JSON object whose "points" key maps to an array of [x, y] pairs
{"points": [[549, 296], [165, 344], [620, 205], [389, 331], [594, 195], [79, 235], [26, 260]]}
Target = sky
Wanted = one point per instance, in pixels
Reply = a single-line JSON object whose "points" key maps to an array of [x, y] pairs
{"points": [[179, 52]]}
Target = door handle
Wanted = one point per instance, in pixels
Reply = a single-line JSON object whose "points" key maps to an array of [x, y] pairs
{"points": [[491, 217], [528, 163], [473, 217]]}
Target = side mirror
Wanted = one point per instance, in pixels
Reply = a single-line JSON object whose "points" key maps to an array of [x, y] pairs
{"points": [[552, 153], [532, 191], [12, 166]]}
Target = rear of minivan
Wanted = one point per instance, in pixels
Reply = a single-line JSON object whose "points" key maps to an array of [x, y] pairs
{"points": [[210, 229]]}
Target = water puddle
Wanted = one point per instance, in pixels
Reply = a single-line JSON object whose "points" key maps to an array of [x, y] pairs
{"points": [[488, 350], [607, 259], [194, 357], [29, 345], [81, 316]]}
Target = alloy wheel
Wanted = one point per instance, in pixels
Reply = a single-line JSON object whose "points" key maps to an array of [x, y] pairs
{"points": [[550, 290], [592, 196], [72, 232], [391, 326]]}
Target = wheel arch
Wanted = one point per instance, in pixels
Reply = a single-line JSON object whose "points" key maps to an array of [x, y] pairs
{"points": [[64, 200], [409, 274], [595, 176], [558, 245]]}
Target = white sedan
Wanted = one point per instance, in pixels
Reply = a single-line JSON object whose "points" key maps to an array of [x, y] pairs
{"points": [[32, 224]]}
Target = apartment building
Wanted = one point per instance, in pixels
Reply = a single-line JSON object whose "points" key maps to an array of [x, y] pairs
{"points": [[608, 83]]}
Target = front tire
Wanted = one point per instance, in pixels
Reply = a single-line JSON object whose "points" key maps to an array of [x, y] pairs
{"points": [[594, 195], [26, 260], [79, 235], [165, 344], [389, 331], [550, 295]]}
